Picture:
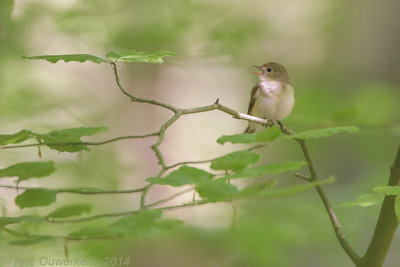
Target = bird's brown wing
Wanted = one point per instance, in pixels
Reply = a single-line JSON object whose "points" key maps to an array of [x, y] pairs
{"points": [[252, 98]]}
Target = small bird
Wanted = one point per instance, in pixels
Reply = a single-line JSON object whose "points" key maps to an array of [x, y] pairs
{"points": [[272, 97]]}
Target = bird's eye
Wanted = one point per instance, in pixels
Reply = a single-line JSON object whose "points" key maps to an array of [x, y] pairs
{"points": [[269, 69]]}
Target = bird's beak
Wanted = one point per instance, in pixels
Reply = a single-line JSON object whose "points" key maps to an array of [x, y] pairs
{"points": [[258, 67]]}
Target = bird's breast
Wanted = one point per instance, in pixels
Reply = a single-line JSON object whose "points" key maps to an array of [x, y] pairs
{"points": [[274, 101]]}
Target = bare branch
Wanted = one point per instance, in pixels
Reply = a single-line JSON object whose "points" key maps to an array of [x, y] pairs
{"points": [[138, 99], [335, 222], [65, 238], [302, 176], [162, 201], [126, 213], [84, 143], [387, 223], [209, 160], [76, 191]]}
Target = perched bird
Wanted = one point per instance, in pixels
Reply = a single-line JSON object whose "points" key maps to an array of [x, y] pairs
{"points": [[272, 97]]}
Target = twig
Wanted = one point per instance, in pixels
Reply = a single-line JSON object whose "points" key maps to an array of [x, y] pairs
{"points": [[143, 196], [77, 191], [84, 143], [234, 216], [217, 106], [65, 238], [126, 213], [138, 99], [335, 222], [161, 134], [302, 176], [159, 202], [209, 160]]}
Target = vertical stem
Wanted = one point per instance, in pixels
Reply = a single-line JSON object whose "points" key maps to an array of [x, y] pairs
{"points": [[387, 223], [66, 250], [332, 216], [234, 216], [143, 196]]}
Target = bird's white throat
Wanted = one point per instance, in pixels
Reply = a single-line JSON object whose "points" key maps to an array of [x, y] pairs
{"points": [[270, 88]]}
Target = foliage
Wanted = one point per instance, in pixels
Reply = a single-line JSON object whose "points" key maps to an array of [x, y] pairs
{"points": [[35, 197], [26, 170], [210, 185], [155, 57], [183, 176]]}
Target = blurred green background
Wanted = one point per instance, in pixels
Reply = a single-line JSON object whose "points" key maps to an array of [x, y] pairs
{"points": [[344, 62]]}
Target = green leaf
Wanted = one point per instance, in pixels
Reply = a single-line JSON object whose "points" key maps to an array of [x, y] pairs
{"points": [[243, 138], [71, 135], [271, 169], [184, 175], [93, 231], [324, 132], [137, 57], [70, 57], [138, 222], [255, 189], [16, 138], [168, 224], [9, 220], [268, 135], [364, 200], [31, 241], [26, 170], [235, 161], [70, 210], [293, 190], [345, 114], [35, 197], [217, 190], [388, 190], [27, 218]]}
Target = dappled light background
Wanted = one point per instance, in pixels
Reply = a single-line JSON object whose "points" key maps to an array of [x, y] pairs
{"points": [[343, 62]]}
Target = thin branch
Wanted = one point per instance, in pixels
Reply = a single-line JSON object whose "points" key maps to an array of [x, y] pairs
{"points": [[160, 133], [178, 113], [159, 155], [302, 176], [210, 160], [143, 196], [387, 223], [84, 143], [188, 162], [76, 191], [217, 106], [138, 99], [234, 216], [161, 138], [162, 201], [66, 238], [334, 220], [126, 213]]}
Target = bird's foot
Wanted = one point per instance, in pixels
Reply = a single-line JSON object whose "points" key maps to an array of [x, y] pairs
{"points": [[269, 124]]}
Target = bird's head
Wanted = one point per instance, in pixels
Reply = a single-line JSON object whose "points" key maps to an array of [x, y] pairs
{"points": [[272, 71]]}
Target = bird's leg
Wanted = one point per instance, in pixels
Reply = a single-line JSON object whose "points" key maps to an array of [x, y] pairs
{"points": [[269, 123], [280, 125]]}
